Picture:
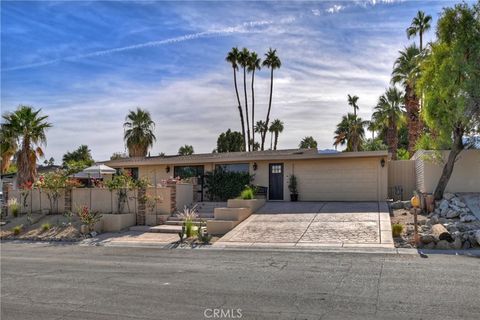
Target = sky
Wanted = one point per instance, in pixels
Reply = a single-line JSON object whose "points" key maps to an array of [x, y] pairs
{"points": [[86, 64]]}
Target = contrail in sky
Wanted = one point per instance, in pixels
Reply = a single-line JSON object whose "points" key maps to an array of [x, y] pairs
{"points": [[242, 28]]}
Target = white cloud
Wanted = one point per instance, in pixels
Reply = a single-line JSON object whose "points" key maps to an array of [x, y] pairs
{"points": [[335, 8]]}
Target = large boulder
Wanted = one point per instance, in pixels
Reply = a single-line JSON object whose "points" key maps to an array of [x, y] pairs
{"points": [[448, 196], [427, 238], [451, 213], [443, 245], [468, 218]]}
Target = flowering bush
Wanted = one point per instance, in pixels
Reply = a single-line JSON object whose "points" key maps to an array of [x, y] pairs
{"points": [[88, 217], [121, 184], [53, 183]]}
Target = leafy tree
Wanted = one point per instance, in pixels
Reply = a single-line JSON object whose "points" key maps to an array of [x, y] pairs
{"points": [[139, 134], [272, 62], [406, 72], [276, 128], [232, 58], [185, 150], [49, 162], [450, 83], [389, 111], [374, 144], [420, 25], [308, 143], [82, 154], [254, 63], [28, 128], [350, 131], [244, 60], [223, 185], [230, 141], [117, 156]]}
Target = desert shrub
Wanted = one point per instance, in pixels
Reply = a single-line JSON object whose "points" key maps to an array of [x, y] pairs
{"points": [[88, 217], [293, 184], [188, 216], [17, 229], [13, 206], [222, 185], [397, 229], [247, 193], [46, 226]]}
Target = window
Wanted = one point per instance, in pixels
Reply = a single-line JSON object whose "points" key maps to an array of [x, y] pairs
{"points": [[133, 172], [233, 167], [276, 168], [188, 171]]}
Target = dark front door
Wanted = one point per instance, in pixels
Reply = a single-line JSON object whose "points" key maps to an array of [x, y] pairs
{"points": [[275, 184]]}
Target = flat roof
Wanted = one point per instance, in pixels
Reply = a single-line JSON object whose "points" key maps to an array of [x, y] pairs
{"points": [[289, 154]]}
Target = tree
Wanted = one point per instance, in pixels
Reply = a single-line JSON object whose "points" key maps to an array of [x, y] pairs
{"points": [[186, 150], [272, 62], [388, 112], [261, 128], [420, 25], [276, 128], [308, 143], [49, 162], [82, 154], [230, 141], [350, 131], [232, 58], [117, 156], [450, 83], [374, 144], [28, 127], [352, 101], [253, 64], [8, 148], [243, 60], [139, 134], [406, 72]]}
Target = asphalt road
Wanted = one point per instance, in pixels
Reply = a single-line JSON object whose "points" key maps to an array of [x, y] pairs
{"points": [[75, 282]]}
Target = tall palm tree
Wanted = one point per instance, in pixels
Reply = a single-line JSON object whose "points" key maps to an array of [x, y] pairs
{"points": [[406, 72], [139, 134], [232, 58], [28, 127], [261, 128], [8, 148], [352, 101], [389, 113], [350, 131], [276, 128], [253, 64], [185, 150], [273, 62], [420, 24], [244, 60]]}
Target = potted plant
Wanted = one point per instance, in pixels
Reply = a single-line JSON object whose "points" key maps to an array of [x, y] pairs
{"points": [[292, 186]]}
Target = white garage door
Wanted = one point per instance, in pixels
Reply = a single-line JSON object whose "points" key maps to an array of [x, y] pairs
{"points": [[338, 179]]}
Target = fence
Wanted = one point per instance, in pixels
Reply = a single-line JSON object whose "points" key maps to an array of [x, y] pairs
{"points": [[401, 179]]}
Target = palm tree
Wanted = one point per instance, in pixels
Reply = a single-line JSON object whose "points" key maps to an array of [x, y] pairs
{"points": [[406, 72], [276, 128], [261, 128], [420, 24], [350, 131], [352, 101], [232, 58], [389, 113], [8, 148], [244, 60], [185, 150], [253, 64], [139, 134], [28, 127], [308, 143], [273, 62]]}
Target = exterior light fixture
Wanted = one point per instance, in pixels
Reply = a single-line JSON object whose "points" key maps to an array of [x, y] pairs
{"points": [[167, 169], [382, 162], [255, 166]]}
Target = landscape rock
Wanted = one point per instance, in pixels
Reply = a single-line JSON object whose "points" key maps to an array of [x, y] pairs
{"points": [[428, 238], [457, 244], [468, 218], [430, 245], [443, 205], [443, 245], [466, 245], [452, 213], [448, 196], [477, 236], [396, 205]]}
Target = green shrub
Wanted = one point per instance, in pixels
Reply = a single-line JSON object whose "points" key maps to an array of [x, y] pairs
{"points": [[13, 206], [293, 184], [247, 194], [222, 185], [17, 229], [397, 229], [46, 226], [190, 229]]}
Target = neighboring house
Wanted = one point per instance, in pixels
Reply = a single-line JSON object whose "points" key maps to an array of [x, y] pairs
{"points": [[344, 176]]}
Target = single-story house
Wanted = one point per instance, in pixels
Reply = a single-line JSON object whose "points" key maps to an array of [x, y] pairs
{"points": [[342, 176]]}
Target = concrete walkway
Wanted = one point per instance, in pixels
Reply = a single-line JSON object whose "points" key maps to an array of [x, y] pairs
{"points": [[314, 224]]}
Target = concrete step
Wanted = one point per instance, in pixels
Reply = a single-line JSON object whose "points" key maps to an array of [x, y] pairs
{"points": [[220, 227], [232, 214], [158, 229], [202, 217], [180, 222]]}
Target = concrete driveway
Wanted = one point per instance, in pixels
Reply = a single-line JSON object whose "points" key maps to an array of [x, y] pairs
{"points": [[310, 224]]}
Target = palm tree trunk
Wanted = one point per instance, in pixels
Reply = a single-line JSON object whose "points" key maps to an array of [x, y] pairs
{"points": [[269, 106], [392, 138], [246, 106], [239, 106], [421, 41], [276, 140], [457, 147], [414, 122], [271, 140], [253, 110]]}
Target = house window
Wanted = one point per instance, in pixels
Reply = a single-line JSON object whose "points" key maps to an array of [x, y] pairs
{"points": [[188, 171], [276, 168], [133, 172], [233, 167]]}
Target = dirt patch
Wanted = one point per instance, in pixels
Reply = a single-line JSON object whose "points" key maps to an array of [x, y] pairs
{"points": [[406, 219], [38, 227]]}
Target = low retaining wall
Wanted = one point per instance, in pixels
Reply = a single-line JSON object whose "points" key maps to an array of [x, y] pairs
{"points": [[117, 222]]}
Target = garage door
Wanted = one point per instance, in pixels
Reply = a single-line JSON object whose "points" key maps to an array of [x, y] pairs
{"points": [[338, 179]]}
